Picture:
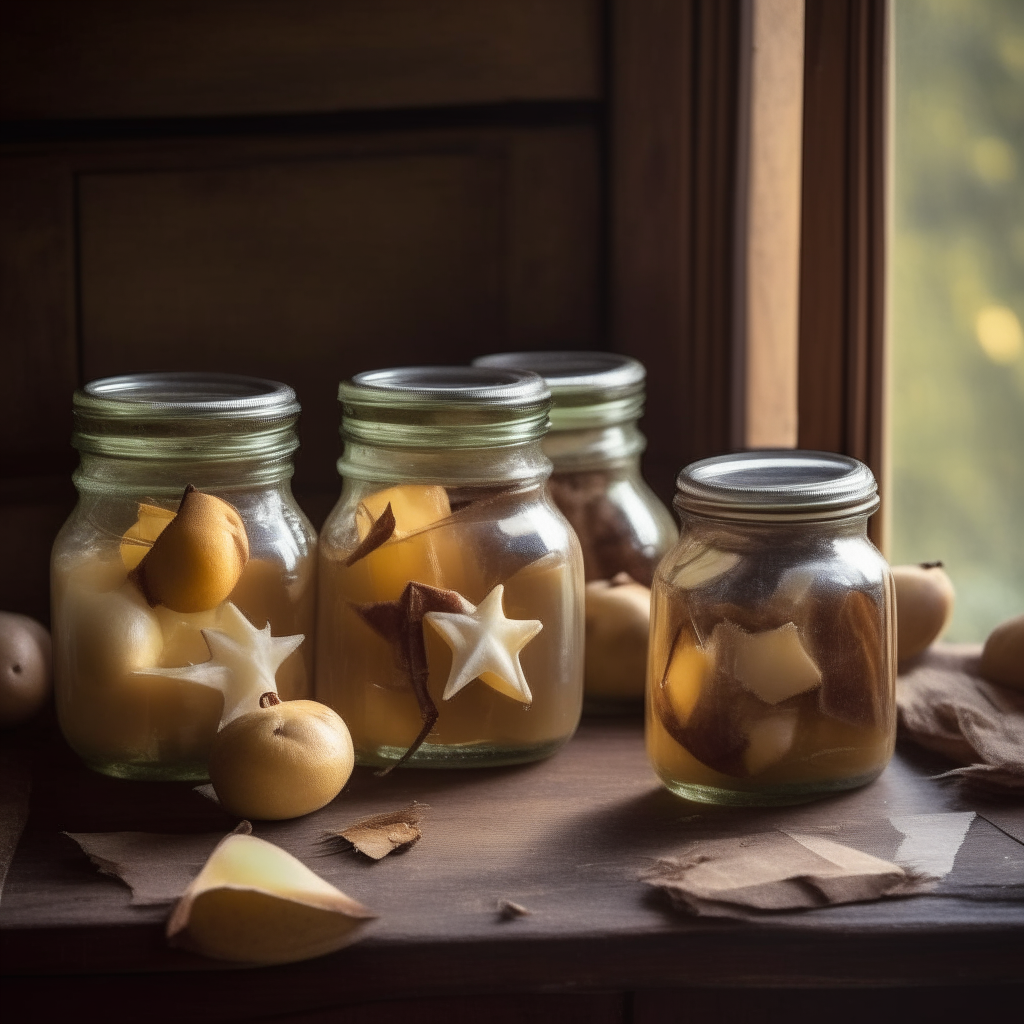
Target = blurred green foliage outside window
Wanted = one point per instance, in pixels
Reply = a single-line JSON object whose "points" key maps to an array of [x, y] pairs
{"points": [[956, 417]]}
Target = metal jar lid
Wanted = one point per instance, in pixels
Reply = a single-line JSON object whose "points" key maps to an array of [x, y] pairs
{"points": [[444, 406], [777, 485], [588, 389]]}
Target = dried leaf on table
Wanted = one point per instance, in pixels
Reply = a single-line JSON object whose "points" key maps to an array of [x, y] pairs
{"points": [[380, 834], [776, 871], [156, 867], [254, 903], [380, 533]]}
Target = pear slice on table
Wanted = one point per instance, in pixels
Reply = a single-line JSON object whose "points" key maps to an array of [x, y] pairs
{"points": [[254, 903]]}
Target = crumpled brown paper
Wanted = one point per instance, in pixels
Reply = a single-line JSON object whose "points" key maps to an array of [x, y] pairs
{"points": [[777, 871], [946, 706]]}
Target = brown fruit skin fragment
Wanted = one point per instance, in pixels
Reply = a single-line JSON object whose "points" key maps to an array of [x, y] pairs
{"points": [[198, 559], [854, 687], [1002, 658]]}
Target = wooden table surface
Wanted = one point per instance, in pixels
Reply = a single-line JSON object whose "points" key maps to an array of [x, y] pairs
{"points": [[566, 838]]}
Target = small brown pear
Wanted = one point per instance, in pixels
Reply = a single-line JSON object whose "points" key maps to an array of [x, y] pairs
{"points": [[198, 558], [1002, 660], [924, 606]]}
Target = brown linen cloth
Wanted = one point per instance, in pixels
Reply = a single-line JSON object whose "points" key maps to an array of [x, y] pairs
{"points": [[946, 706]]}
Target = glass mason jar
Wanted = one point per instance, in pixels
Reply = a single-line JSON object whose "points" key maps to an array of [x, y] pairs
{"points": [[772, 670], [451, 588], [161, 597], [595, 446]]}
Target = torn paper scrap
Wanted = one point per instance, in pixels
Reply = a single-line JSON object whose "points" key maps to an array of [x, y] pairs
{"points": [[931, 841], [157, 868], [380, 834], [776, 871]]}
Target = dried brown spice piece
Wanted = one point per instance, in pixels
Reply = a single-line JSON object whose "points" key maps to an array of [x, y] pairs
{"points": [[509, 911], [401, 624], [380, 834], [381, 532]]}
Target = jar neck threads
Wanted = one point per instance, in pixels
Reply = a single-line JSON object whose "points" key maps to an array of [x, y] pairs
{"points": [[216, 427]]}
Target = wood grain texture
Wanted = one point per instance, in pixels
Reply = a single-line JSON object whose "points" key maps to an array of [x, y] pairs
{"points": [[68, 60], [565, 838], [303, 259], [842, 275], [308, 262], [674, 109]]}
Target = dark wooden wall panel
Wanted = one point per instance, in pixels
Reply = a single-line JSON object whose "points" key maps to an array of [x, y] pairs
{"points": [[316, 261], [675, 110], [190, 58], [843, 235]]}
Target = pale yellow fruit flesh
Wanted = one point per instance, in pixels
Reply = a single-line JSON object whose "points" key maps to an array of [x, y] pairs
{"points": [[774, 664], [281, 761], [139, 538], [255, 903], [415, 507]]}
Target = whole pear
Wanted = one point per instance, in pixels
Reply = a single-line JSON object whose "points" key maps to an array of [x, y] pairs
{"points": [[1002, 658], [924, 606], [198, 557], [25, 667], [286, 759]]}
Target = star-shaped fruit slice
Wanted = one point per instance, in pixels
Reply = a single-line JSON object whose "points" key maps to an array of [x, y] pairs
{"points": [[485, 645], [243, 663]]}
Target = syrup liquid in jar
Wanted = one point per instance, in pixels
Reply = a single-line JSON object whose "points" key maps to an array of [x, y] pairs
{"points": [[450, 585], [771, 676]]}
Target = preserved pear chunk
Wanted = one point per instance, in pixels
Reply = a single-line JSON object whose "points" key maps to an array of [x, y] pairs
{"points": [[774, 665]]}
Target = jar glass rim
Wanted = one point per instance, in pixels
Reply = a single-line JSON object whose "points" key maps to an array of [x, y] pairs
{"points": [[172, 395], [182, 417], [450, 406], [777, 484], [588, 388]]}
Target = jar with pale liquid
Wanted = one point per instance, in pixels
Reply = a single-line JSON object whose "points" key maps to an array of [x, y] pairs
{"points": [[771, 676], [595, 446], [451, 587], [183, 584]]}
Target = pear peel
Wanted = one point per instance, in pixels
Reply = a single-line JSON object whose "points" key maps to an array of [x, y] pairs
{"points": [[254, 903]]}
